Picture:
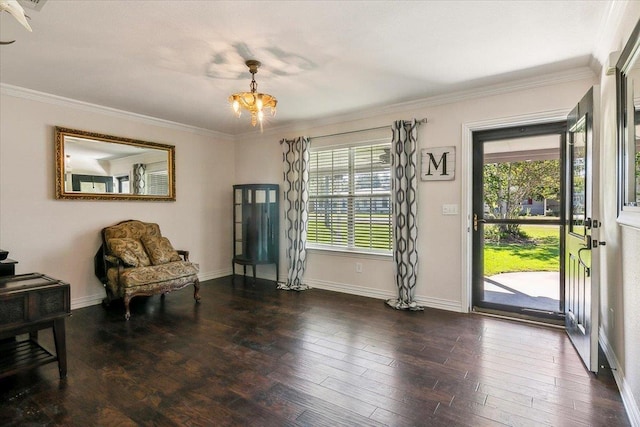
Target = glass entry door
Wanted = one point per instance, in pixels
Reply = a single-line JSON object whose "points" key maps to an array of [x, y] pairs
{"points": [[518, 227]]}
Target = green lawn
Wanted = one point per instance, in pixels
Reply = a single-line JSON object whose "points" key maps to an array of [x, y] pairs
{"points": [[542, 254]]}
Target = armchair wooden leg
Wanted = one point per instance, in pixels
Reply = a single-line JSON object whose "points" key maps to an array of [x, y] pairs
{"points": [[196, 290], [127, 300]]}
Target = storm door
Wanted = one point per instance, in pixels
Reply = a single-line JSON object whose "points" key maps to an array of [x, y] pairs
{"points": [[518, 221]]}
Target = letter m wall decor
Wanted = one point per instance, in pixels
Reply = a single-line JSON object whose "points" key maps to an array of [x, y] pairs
{"points": [[438, 164]]}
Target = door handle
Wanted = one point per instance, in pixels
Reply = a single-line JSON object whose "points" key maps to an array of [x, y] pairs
{"points": [[591, 223], [476, 220], [584, 265]]}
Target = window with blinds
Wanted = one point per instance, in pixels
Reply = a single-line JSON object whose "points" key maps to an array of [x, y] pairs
{"points": [[158, 183], [350, 198]]}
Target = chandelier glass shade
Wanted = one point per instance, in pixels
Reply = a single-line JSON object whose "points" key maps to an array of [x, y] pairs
{"points": [[254, 102]]}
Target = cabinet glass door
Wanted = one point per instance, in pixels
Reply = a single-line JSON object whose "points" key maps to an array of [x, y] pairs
{"points": [[238, 241], [255, 225], [259, 230]]}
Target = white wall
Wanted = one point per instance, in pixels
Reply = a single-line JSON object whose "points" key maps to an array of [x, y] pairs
{"points": [[620, 278], [440, 277], [60, 237]]}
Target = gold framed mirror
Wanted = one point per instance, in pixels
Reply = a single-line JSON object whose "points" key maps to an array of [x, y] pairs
{"points": [[94, 166], [628, 97]]}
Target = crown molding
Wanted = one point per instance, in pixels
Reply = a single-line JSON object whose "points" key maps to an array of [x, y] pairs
{"points": [[608, 31], [34, 95], [567, 76]]}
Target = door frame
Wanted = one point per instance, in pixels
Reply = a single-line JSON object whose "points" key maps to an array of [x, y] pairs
{"points": [[467, 185], [557, 129]]}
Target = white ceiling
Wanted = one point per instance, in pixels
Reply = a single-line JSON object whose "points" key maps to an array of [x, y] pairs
{"points": [[180, 60]]}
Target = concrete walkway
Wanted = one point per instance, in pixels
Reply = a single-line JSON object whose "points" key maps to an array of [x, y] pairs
{"points": [[539, 290]]}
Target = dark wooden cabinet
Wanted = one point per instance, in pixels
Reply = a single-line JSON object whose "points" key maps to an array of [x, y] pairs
{"points": [[256, 210], [28, 303]]}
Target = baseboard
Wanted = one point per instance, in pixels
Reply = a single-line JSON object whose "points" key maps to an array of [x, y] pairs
{"points": [[439, 303], [630, 403], [90, 300], [210, 275], [349, 289], [346, 288], [87, 301]]}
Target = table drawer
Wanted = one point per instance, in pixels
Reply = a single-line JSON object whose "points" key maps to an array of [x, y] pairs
{"points": [[33, 307], [31, 298]]}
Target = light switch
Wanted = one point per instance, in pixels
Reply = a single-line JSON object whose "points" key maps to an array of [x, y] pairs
{"points": [[449, 209]]}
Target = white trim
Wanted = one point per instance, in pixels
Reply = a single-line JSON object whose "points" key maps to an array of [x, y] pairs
{"points": [[34, 95], [87, 301], [606, 32], [629, 401], [628, 218], [96, 299], [362, 291], [439, 303], [352, 253], [350, 289], [210, 275], [467, 183], [566, 76], [575, 74]]}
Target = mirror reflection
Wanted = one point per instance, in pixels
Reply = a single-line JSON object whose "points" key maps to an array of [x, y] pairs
{"points": [[629, 123], [634, 159], [94, 166], [633, 145]]}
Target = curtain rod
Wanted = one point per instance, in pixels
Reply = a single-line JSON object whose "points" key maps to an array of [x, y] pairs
{"points": [[419, 122]]}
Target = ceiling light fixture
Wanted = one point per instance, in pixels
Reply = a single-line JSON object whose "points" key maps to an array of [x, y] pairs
{"points": [[254, 101], [14, 8]]}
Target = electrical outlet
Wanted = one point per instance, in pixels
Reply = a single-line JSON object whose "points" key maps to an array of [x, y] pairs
{"points": [[358, 267]]}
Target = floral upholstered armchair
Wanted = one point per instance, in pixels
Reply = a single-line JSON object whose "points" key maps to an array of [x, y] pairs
{"points": [[136, 260]]}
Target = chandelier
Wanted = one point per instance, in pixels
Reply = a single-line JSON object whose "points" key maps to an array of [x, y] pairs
{"points": [[254, 102]]}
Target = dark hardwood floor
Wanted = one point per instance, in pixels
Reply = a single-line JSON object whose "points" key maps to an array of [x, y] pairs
{"points": [[252, 355]]}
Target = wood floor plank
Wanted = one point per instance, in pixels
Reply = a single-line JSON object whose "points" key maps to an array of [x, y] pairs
{"points": [[350, 403], [250, 354], [496, 415], [320, 407], [409, 407], [315, 359]]}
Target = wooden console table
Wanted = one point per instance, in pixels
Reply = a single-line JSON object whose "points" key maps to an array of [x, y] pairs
{"points": [[28, 303]]}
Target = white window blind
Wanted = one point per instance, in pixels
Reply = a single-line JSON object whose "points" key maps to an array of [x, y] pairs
{"points": [[158, 183], [350, 198]]}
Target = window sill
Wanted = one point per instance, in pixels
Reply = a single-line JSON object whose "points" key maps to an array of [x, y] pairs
{"points": [[630, 218], [355, 253]]}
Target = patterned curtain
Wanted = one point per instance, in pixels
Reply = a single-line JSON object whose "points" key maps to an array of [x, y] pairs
{"points": [[139, 182], [296, 197], [404, 187]]}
